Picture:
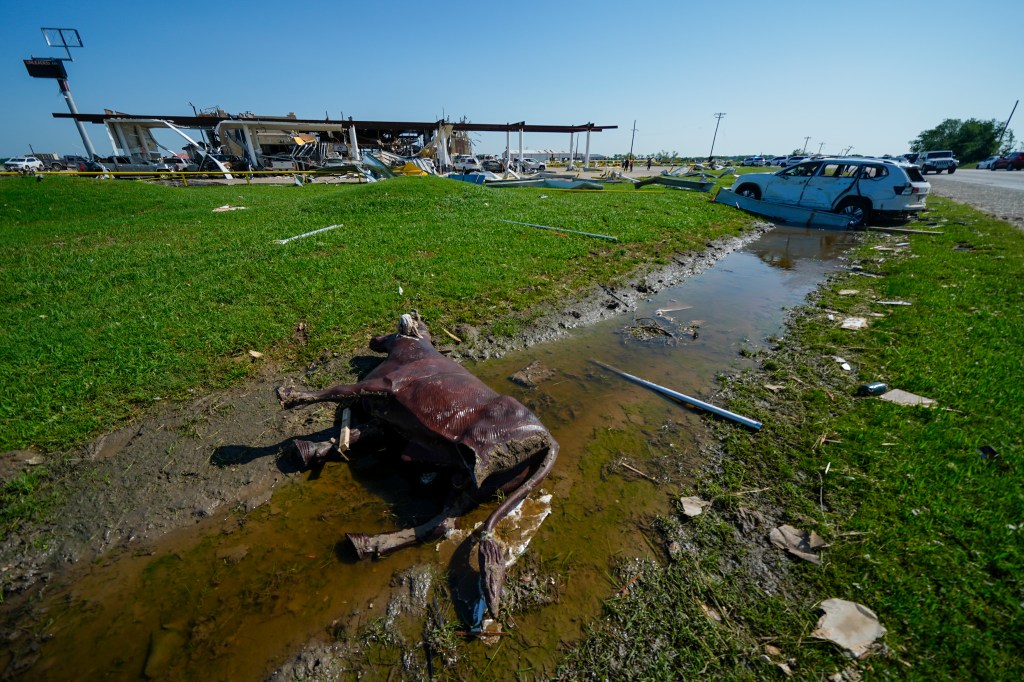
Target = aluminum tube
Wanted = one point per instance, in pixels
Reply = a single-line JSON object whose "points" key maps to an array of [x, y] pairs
{"points": [[685, 398]]}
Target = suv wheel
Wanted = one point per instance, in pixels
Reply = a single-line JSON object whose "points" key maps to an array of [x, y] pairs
{"points": [[749, 191], [951, 170], [857, 210]]}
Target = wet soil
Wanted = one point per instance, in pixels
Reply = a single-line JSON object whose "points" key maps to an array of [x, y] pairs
{"points": [[212, 462]]}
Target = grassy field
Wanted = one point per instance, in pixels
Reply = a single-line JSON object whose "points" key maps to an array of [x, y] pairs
{"points": [[118, 294], [926, 526]]}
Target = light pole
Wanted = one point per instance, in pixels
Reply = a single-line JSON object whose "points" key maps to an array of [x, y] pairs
{"points": [[631, 140], [718, 120], [820, 146], [54, 68], [806, 140]]}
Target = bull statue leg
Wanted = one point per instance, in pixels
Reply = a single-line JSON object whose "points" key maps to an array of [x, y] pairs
{"points": [[343, 393]]}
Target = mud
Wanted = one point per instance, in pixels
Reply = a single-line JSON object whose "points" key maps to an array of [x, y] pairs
{"points": [[189, 463]]}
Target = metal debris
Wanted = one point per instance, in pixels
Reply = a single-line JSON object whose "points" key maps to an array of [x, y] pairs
{"points": [[901, 397], [855, 323], [693, 506], [850, 625], [799, 543]]}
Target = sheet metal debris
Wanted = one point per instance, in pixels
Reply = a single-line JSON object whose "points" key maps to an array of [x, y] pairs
{"points": [[852, 626], [901, 397], [893, 302], [693, 506], [799, 543]]}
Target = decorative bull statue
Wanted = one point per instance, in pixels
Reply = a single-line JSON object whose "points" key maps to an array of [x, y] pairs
{"points": [[451, 420]]}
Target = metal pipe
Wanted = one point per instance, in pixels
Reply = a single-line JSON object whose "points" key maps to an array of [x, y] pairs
{"points": [[558, 229], [679, 396]]}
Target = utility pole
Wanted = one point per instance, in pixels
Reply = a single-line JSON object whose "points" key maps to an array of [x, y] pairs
{"points": [[1001, 132], [820, 146], [806, 140], [630, 141], [718, 119]]}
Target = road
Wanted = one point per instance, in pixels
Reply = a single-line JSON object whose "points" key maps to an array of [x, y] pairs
{"points": [[999, 193]]}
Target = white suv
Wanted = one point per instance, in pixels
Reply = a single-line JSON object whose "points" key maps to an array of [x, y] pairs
{"points": [[857, 187], [23, 163]]}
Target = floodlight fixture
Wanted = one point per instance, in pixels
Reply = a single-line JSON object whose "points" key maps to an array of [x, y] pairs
{"points": [[63, 38]]}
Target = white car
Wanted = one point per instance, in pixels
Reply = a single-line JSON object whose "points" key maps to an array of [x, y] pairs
{"points": [[856, 187], [987, 163], [23, 163], [468, 164]]}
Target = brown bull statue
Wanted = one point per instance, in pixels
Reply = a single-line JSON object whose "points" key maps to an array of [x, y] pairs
{"points": [[451, 420]]}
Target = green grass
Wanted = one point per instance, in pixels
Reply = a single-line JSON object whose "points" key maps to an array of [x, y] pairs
{"points": [[923, 529], [119, 294]]}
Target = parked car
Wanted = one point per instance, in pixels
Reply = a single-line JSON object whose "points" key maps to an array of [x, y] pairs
{"points": [[987, 163], [531, 165], [176, 164], [467, 164], [1012, 161], [754, 161], [778, 161], [858, 188], [24, 164], [493, 165], [793, 160], [67, 162]]}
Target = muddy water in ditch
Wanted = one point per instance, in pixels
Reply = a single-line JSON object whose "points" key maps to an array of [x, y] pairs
{"points": [[233, 602]]}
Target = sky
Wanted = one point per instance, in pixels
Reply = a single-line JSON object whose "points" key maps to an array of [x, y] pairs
{"points": [[865, 76]]}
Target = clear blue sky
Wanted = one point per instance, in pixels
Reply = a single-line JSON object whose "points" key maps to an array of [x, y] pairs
{"points": [[870, 74]]}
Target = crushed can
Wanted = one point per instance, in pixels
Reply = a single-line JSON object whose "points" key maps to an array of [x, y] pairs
{"points": [[872, 388]]}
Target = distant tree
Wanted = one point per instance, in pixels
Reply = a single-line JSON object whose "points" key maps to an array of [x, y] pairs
{"points": [[970, 140]]}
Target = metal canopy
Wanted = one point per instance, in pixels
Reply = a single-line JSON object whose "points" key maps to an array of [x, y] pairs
{"points": [[365, 126]]}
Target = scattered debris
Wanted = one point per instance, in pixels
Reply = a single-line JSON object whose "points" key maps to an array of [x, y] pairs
{"points": [[306, 234], [901, 230], [893, 302], [451, 336], [842, 363], [255, 354], [636, 471], [532, 375], [901, 397], [301, 333], [855, 323], [986, 452], [746, 421], [646, 328], [228, 207], [850, 625], [693, 506], [799, 543], [711, 613], [558, 229], [872, 388], [774, 388], [663, 312], [848, 292]]}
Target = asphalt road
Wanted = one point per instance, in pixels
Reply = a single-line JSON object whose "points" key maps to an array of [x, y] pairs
{"points": [[999, 193]]}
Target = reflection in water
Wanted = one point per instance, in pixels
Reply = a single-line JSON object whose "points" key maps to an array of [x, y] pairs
{"points": [[234, 601]]}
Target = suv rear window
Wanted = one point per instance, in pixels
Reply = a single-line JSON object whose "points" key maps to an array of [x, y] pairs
{"points": [[914, 173]]}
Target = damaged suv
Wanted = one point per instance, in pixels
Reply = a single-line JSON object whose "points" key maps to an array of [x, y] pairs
{"points": [[857, 187]]}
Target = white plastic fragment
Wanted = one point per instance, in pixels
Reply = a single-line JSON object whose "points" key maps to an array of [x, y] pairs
{"points": [[893, 302], [855, 323], [848, 292], [850, 625], [842, 363]]}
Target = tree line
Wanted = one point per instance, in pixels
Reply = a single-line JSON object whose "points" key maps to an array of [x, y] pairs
{"points": [[970, 140]]}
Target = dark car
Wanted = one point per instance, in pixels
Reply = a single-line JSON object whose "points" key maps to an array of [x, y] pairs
{"points": [[1012, 161]]}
